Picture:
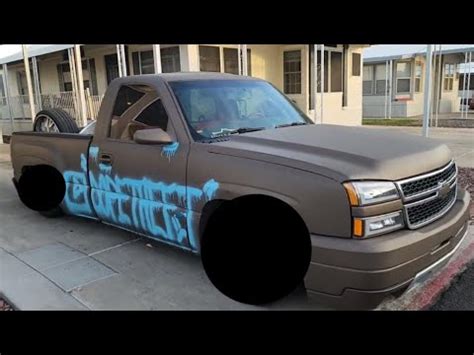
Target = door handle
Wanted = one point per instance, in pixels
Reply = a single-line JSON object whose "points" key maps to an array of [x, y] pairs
{"points": [[105, 159]]}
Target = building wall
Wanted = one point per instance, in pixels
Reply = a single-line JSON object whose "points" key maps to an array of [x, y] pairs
{"points": [[374, 105], [266, 63]]}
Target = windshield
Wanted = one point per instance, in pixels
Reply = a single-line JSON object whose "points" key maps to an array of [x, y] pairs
{"points": [[214, 108]]}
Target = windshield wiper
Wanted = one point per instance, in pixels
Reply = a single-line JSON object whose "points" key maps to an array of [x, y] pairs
{"points": [[246, 129], [291, 124], [237, 131]]}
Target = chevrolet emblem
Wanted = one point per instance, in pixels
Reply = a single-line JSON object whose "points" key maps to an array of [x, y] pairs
{"points": [[443, 190]]}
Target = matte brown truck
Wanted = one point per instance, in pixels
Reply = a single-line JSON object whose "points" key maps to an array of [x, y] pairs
{"points": [[227, 167]]}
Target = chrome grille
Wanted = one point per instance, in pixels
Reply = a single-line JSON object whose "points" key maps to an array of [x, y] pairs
{"points": [[424, 184], [429, 196], [427, 211]]}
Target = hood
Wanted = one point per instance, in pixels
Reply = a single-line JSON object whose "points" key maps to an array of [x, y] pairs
{"points": [[340, 152]]}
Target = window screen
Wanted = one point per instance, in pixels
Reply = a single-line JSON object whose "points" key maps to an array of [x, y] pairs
{"points": [[170, 60], [368, 79], [231, 60], [209, 59], [292, 72], [381, 84]]}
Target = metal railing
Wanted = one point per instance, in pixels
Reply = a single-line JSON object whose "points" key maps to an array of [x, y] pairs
{"points": [[66, 101]]}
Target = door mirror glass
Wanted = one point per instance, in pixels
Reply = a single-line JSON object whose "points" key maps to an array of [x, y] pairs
{"points": [[152, 136]]}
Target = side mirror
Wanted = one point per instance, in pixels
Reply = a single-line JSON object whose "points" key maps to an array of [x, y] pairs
{"points": [[152, 136]]}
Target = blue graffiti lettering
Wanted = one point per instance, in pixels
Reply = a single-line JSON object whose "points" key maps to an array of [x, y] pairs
{"points": [[154, 208], [170, 150]]}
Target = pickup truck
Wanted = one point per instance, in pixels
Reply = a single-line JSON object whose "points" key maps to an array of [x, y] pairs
{"points": [[229, 168]]}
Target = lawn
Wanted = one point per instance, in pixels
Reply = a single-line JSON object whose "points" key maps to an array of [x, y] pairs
{"points": [[391, 122]]}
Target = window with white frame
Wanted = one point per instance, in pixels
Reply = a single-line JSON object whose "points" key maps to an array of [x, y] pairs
{"points": [[403, 80], [418, 76], [209, 59], [292, 72], [368, 80], [449, 70], [381, 79]]}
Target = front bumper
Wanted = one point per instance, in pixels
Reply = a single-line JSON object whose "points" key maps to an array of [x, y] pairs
{"points": [[359, 274]]}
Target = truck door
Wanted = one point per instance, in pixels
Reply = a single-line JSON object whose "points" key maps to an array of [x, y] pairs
{"points": [[140, 187]]}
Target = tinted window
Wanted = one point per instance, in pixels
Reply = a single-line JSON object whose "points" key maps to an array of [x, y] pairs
{"points": [[154, 116], [126, 97]]}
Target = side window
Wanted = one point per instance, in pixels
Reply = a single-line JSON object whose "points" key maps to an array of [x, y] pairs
{"points": [[136, 107], [126, 97], [154, 116]]}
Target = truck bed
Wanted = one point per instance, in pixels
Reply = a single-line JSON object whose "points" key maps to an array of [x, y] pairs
{"points": [[59, 150]]}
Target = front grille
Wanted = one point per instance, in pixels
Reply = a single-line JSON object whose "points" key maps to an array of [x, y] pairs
{"points": [[422, 213], [415, 186], [425, 197]]}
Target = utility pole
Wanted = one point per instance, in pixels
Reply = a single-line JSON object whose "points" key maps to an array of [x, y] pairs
{"points": [[427, 93]]}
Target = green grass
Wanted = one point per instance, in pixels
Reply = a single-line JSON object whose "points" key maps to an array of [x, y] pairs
{"points": [[391, 122]]}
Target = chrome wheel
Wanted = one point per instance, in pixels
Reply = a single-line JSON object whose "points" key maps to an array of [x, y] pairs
{"points": [[46, 124]]}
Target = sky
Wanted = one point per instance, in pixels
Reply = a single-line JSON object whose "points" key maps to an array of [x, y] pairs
{"points": [[9, 49]]}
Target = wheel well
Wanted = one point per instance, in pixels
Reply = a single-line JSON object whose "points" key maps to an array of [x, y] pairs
{"points": [[262, 204], [41, 187]]}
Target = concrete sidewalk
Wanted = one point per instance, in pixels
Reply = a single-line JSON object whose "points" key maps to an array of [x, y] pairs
{"points": [[73, 263]]}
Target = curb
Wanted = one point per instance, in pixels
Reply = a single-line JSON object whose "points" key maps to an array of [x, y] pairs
{"points": [[424, 296]]}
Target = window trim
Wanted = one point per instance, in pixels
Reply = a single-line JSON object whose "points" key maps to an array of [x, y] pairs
{"points": [[420, 64], [410, 77], [170, 129], [449, 77], [299, 50]]}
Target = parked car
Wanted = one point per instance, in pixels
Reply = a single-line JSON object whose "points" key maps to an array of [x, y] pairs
{"points": [[229, 168]]}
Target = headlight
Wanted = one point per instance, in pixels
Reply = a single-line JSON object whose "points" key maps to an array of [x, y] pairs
{"points": [[376, 225], [362, 193]]}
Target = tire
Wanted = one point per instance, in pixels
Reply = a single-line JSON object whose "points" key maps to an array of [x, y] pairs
{"points": [[62, 120], [256, 251]]}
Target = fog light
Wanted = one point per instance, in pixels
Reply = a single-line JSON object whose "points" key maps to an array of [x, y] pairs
{"points": [[378, 224]]}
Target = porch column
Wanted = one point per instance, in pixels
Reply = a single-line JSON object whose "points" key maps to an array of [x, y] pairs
{"points": [[124, 60], [75, 91], [119, 60], [244, 60], [322, 81], [31, 97], [6, 87], [36, 83], [427, 93], [157, 58], [80, 85], [467, 72]]}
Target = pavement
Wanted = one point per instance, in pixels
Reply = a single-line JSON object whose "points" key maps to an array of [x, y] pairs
{"points": [[77, 264]]}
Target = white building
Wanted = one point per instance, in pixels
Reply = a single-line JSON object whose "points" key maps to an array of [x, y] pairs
{"points": [[289, 67], [393, 79]]}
